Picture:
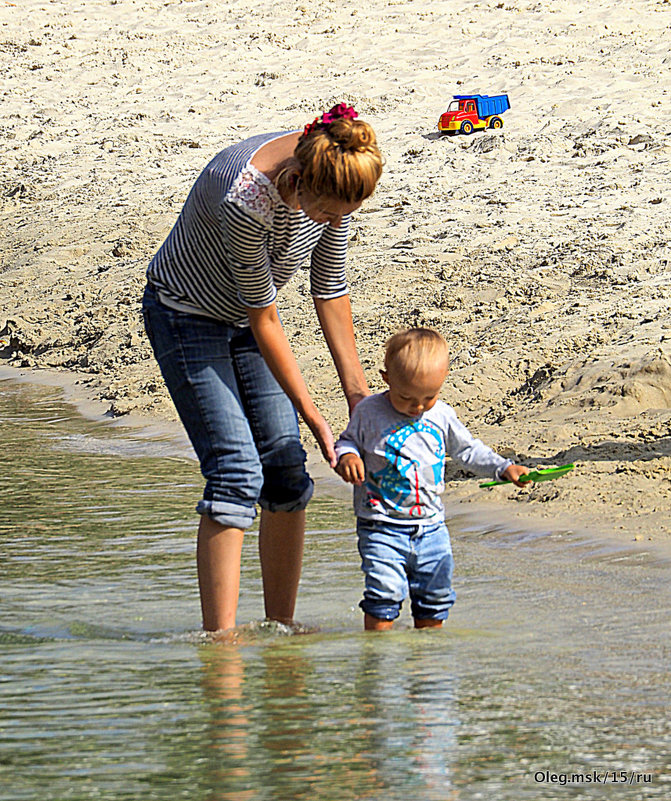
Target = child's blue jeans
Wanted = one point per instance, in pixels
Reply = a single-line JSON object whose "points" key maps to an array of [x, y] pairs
{"points": [[400, 559], [240, 422]]}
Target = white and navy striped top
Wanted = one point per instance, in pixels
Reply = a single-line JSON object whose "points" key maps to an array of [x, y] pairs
{"points": [[236, 242]]}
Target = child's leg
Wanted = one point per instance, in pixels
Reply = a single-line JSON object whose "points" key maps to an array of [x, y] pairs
{"points": [[430, 577], [371, 623], [427, 623], [384, 553]]}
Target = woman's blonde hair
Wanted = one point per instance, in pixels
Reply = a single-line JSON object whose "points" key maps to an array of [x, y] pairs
{"points": [[339, 159], [415, 351]]}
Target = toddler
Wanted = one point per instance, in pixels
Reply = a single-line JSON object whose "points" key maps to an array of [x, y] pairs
{"points": [[393, 452]]}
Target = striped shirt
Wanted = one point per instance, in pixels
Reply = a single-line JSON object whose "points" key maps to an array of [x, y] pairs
{"points": [[236, 242]]}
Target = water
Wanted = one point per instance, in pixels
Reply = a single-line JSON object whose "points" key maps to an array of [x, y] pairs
{"points": [[550, 681]]}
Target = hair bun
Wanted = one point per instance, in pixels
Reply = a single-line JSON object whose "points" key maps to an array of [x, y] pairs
{"points": [[352, 135], [338, 156]]}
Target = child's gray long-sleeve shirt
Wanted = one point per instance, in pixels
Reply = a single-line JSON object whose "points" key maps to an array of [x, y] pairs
{"points": [[405, 459]]}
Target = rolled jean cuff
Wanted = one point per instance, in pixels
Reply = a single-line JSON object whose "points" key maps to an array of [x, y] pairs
{"points": [[382, 610], [231, 515], [420, 612], [294, 505]]}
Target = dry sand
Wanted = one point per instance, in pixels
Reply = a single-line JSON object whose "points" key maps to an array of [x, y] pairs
{"points": [[540, 251]]}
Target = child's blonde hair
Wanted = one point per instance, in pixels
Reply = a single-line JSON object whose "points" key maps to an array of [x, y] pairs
{"points": [[415, 351]]}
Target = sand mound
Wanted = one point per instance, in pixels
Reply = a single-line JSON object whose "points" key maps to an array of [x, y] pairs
{"points": [[627, 388]]}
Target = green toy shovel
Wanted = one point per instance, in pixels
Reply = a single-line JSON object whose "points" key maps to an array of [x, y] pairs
{"points": [[546, 474]]}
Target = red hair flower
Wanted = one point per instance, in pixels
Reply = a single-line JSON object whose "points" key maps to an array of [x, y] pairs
{"points": [[310, 127], [339, 112]]}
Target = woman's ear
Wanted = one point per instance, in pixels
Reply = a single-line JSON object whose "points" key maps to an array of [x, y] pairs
{"points": [[385, 378]]}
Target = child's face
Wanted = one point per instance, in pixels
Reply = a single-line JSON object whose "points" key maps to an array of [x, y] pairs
{"points": [[416, 396]]}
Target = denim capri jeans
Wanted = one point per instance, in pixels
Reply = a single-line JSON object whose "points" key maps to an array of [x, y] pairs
{"points": [[241, 424]]}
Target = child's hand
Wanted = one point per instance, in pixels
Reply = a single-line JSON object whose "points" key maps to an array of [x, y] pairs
{"points": [[513, 473], [350, 468]]}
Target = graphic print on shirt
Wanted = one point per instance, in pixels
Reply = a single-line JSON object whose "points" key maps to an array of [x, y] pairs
{"points": [[402, 477]]}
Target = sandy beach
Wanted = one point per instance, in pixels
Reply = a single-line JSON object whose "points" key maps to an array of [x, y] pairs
{"points": [[540, 251]]}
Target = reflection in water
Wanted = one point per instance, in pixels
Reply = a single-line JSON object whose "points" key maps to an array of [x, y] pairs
{"points": [[555, 659], [314, 719], [413, 709], [227, 750]]}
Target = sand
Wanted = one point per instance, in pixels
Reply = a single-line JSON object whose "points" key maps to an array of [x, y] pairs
{"points": [[541, 251]]}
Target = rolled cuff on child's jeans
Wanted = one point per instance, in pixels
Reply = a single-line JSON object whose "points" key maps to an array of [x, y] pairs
{"points": [[434, 611], [231, 515], [382, 610]]}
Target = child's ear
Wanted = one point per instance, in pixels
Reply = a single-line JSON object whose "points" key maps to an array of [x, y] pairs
{"points": [[385, 378]]}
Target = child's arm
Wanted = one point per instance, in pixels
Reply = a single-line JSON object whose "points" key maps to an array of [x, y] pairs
{"points": [[477, 457], [351, 469], [348, 448]]}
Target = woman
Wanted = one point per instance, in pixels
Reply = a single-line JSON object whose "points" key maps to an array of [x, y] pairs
{"points": [[257, 211]]}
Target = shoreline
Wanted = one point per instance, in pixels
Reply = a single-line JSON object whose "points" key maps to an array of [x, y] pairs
{"points": [[462, 499]]}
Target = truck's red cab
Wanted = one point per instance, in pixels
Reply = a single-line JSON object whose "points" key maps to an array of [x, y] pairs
{"points": [[457, 113]]}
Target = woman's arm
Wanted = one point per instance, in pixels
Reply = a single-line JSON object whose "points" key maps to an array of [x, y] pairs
{"points": [[335, 318], [279, 357]]}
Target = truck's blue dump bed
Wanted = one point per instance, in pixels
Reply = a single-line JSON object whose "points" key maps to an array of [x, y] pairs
{"points": [[496, 104]]}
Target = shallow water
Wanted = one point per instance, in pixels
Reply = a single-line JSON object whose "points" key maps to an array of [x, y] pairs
{"points": [[550, 681]]}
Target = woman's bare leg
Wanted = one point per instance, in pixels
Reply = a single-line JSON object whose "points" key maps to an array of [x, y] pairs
{"points": [[218, 560], [281, 536]]}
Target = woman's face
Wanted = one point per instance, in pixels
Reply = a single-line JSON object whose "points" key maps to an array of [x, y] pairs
{"points": [[324, 209]]}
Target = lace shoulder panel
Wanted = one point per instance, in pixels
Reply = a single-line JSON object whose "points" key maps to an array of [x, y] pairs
{"points": [[255, 193]]}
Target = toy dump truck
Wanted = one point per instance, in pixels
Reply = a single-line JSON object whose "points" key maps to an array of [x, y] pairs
{"points": [[467, 113]]}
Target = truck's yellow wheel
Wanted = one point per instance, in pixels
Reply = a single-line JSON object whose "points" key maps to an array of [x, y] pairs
{"points": [[466, 127], [496, 122]]}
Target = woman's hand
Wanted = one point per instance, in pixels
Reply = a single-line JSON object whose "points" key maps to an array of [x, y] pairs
{"points": [[354, 398], [323, 434]]}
